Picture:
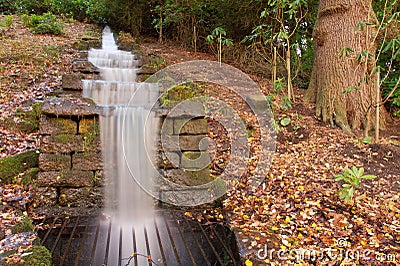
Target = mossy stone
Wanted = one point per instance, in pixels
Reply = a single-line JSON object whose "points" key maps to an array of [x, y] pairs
{"points": [[89, 126], [30, 119], [25, 225], [29, 177], [40, 256], [197, 178], [56, 126], [12, 166]]}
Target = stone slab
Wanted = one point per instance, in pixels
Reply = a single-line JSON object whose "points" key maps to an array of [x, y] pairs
{"points": [[188, 178], [167, 126], [87, 161], [189, 109], [257, 102], [193, 126], [69, 107], [89, 126], [69, 178], [62, 144], [72, 81], [54, 162], [45, 196], [195, 160], [99, 179], [56, 126], [84, 66], [184, 143]]}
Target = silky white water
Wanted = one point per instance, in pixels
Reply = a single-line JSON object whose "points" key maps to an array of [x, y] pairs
{"points": [[128, 129]]}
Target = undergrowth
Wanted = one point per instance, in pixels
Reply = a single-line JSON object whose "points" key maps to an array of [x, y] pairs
{"points": [[43, 24]]}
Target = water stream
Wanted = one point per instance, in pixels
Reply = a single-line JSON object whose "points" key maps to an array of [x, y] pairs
{"points": [[128, 131]]}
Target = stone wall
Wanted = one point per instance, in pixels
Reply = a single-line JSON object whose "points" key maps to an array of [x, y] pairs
{"points": [[184, 157], [70, 162]]}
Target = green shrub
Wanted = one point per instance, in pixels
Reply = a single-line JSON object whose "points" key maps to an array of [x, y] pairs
{"points": [[44, 28], [7, 21], [352, 178], [43, 24]]}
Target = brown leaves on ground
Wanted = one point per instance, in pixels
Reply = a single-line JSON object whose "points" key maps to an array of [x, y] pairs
{"points": [[298, 204], [14, 200]]}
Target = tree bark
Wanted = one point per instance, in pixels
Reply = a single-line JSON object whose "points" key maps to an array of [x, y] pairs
{"points": [[335, 71]]}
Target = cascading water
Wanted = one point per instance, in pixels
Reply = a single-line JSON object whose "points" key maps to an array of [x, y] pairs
{"points": [[127, 128]]}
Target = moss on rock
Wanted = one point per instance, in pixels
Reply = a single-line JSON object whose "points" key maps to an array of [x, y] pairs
{"points": [[29, 177], [40, 256], [12, 166], [30, 120], [25, 225]]}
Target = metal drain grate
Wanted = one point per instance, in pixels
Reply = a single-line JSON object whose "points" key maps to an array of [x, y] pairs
{"points": [[169, 239]]}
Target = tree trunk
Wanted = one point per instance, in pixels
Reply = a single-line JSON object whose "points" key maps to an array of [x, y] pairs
{"points": [[274, 67], [160, 34], [289, 75], [335, 71]]}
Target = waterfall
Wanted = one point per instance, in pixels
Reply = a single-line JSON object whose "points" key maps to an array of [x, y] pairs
{"points": [[128, 131]]}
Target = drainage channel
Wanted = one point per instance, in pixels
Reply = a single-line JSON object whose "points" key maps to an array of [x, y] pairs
{"points": [[170, 238]]}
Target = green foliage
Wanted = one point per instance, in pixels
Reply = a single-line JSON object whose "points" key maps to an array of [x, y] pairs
{"points": [[286, 103], [29, 177], [130, 16], [352, 178], [154, 62], [218, 35], [279, 85], [91, 132], [7, 21], [12, 166], [285, 121], [367, 140], [44, 28], [286, 25], [84, 10], [388, 62], [43, 24], [28, 6]]}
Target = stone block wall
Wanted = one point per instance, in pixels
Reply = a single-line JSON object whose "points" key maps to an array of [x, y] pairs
{"points": [[184, 157], [70, 163]]}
